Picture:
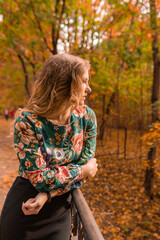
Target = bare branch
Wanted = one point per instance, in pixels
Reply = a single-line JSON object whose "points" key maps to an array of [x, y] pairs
{"points": [[25, 74], [39, 26]]}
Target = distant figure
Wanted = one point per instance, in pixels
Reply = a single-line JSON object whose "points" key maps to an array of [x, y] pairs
{"points": [[12, 113], [6, 114]]}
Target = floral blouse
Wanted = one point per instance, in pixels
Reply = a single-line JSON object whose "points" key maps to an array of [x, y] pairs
{"points": [[51, 155]]}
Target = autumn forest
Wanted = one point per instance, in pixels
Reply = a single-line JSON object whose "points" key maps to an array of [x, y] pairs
{"points": [[121, 39]]}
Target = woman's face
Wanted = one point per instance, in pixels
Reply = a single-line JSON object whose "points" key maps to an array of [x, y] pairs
{"points": [[85, 88]]}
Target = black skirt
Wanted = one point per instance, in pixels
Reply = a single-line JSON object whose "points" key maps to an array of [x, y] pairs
{"points": [[53, 222]]}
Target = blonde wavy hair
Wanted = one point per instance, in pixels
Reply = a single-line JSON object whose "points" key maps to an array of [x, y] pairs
{"points": [[58, 82]]}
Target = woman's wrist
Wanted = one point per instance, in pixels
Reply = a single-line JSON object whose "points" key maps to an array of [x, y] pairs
{"points": [[42, 196], [54, 193], [84, 171]]}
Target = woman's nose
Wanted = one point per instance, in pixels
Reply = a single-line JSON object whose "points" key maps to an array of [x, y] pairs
{"points": [[88, 89]]}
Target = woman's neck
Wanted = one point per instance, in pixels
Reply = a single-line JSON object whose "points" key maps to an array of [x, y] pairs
{"points": [[62, 118]]}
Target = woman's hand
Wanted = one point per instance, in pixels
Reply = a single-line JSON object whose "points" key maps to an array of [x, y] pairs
{"points": [[90, 169], [34, 205]]}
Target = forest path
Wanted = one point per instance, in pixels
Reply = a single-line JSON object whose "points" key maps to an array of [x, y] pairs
{"points": [[8, 159]]}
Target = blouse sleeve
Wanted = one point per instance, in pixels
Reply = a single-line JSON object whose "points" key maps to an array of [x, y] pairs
{"points": [[33, 164], [90, 133], [89, 144]]}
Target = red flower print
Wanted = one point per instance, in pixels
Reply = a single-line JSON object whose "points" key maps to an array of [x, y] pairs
{"points": [[36, 176], [61, 174], [80, 111], [68, 129], [65, 172], [40, 162], [77, 141], [61, 179]]}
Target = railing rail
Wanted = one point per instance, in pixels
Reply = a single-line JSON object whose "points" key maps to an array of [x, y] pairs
{"points": [[91, 229]]}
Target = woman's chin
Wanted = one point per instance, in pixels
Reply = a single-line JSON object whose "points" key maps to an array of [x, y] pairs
{"points": [[81, 103]]}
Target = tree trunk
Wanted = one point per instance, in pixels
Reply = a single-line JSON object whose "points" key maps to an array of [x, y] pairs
{"points": [[118, 109], [141, 122], [25, 74], [103, 123], [110, 103], [149, 176], [125, 142], [57, 24]]}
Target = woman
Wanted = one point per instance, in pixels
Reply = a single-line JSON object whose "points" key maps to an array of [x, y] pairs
{"points": [[55, 138]]}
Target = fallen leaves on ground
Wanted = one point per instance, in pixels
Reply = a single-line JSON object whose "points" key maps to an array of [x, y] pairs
{"points": [[117, 199]]}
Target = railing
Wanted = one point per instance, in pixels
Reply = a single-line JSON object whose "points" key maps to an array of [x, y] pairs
{"points": [[84, 224]]}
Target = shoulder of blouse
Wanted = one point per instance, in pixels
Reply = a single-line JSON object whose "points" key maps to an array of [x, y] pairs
{"points": [[90, 111], [82, 111], [26, 117]]}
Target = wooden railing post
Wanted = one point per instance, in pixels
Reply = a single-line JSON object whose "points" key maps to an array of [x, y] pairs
{"points": [[90, 226]]}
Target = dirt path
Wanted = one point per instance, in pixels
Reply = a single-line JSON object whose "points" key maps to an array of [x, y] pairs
{"points": [[8, 159]]}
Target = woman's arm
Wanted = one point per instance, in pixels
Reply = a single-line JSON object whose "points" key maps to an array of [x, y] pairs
{"points": [[89, 142], [90, 134], [34, 205]]}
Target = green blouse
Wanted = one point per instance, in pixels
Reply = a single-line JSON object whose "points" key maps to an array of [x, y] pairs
{"points": [[51, 155]]}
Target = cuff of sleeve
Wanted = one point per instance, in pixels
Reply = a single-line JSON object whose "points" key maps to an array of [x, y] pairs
{"points": [[80, 175]]}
